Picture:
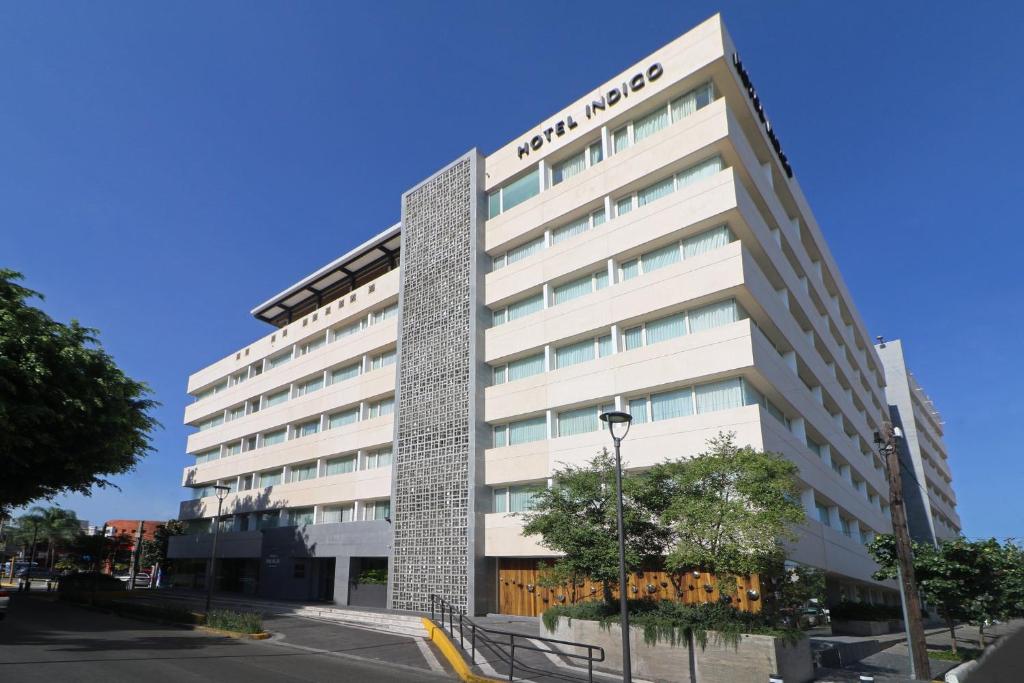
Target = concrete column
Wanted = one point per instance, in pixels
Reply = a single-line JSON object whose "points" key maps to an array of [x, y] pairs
{"points": [[807, 499], [605, 143], [548, 360], [607, 207], [766, 168], [612, 279], [833, 518], [316, 513], [542, 173], [550, 417], [790, 358], [797, 427], [284, 474], [361, 457], [818, 396], [619, 403], [547, 238], [783, 295], [826, 455], [616, 343], [855, 529], [320, 467], [776, 235], [547, 295], [844, 472]]}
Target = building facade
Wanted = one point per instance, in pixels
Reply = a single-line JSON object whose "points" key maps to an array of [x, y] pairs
{"points": [[924, 461], [647, 248]]}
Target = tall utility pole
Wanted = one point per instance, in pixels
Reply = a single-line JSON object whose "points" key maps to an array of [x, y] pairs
{"points": [[889, 447]]}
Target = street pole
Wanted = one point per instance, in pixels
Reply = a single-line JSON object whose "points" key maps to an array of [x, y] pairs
{"points": [[627, 667], [920, 669], [221, 491], [136, 550]]}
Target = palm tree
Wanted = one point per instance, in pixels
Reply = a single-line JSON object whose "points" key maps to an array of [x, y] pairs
{"points": [[30, 526], [58, 526]]}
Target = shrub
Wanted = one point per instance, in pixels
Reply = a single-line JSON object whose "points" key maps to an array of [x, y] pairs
{"points": [[239, 622], [674, 622], [89, 581]]}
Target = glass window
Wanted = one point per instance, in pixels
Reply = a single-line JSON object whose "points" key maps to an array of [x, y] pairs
{"points": [[345, 417], [302, 472], [236, 412], [659, 258], [521, 498], [624, 206], [523, 250], [207, 456], [233, 448], [500, 436], [696, 99], [346, 331], [524, 431], [278, 361], [666, 328], [671, 404], [385, 313], [278, 398], [270, 478], [212, 422], [268, 520], [580, 421], [595, 153], [633, 338], [658, 190], [307, 428], [604, 346], [577, 227], [336, 514], [719, 395], [271, 438], [638, 409], [564, 170], [630, 269], [498, 375], [822, 511], [341, 465], [493, 203], [381, 408], [601, 279], [573, 289], [706, 241], [525, 307], [501, 499], [311, 346], [620, 139], [598, 217], [310, 386], [518, 191], [382, 360], [300, 516], [573, 354], [526, 367], [705, 169], [347, 372], [650, 124], [498, 317], [714, 315], [377, 509]]}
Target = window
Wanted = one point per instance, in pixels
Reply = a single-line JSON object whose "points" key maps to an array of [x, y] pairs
{"points": [[659, 258], [382, 360], [680, 324], [520, 368], [579, 421], [269, 519], [633, 338], [517, 310], [703, 398], [310, 346], [822, 511], [346, 330], [270, 478], [202, 491], [380, 408], [814, 446], [299, 517], [211, 422], [307, 429], [380, 457], [382, 314], [515, 498], [573, 354], [697, 98], [577, 163], [309, 386], [669, 327], [564, 232], [207, 456], [238, 378], [620, 140], [638, 409], [521, 431], [582, 286], [719, 395], [236, 412], [245, 482], [672, 404], [679, 108], [335, 514], [604, 346], [347, 372], [277, 399], [624, 206], [342, 465], [215, 389], [667, 186], [233, 448], [517, 253], [275, 437], [650, 124], [302, 472], [715, 315], [279, 360], [844, 525], [376, 509], [513, 193], [343, 418]]}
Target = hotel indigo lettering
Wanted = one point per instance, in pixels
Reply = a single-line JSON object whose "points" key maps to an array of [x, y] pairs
{"points": [[599, 104], [756, 101]]}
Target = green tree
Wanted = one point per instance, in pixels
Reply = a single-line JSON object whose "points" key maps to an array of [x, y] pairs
{"points": [[964, 580], [28, 533], [68, 415], [59, 527], [577, 516], [728, 509], [154, 552]]}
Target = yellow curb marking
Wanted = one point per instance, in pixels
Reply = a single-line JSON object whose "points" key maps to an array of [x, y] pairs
{"points": [[447, 648]]}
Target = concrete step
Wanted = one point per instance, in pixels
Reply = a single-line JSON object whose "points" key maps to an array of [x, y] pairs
{"points": [[380, 621]]}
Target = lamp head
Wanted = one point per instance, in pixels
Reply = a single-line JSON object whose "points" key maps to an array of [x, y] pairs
{"points": [[617, 421], [221, 491]]}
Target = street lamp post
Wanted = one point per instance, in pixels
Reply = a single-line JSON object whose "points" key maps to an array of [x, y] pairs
{"points": [[222, 492], [613, 419]]}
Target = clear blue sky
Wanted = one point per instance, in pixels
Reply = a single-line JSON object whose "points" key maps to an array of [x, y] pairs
{"points": [[166, 166]]}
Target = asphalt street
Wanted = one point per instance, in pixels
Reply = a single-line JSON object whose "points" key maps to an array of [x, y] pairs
{"points": [[45, 640]]}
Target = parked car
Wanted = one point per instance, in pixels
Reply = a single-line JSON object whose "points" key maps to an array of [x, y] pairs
{"points": [[142, 579], [5, 602]]}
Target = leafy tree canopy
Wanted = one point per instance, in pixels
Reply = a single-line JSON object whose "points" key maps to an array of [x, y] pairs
{"points": [[154, 551], [69, 417]]}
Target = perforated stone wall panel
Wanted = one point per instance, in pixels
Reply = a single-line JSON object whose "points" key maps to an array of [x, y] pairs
{"points": [[434, 470]]}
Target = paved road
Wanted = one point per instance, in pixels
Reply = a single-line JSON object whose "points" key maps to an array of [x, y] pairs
{"points": [[45, 640]]}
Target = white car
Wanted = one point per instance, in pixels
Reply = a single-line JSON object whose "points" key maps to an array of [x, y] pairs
{"points": [[5, 602]]}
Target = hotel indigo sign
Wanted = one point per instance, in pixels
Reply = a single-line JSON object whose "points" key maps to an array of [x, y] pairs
{"points": [[599, 104], [756, 101]]}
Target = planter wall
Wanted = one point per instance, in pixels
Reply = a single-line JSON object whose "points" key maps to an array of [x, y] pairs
{"points": [[752, 660]]}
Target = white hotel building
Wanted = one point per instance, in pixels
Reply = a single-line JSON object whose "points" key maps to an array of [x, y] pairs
{"points": [[644, 248]]}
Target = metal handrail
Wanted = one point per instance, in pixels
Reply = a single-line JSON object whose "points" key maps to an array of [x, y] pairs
{"points": [[439, 604]]}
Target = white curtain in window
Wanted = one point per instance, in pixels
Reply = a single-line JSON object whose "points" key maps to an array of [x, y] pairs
{"points": [[337, 514], [525, 307], [620, 140], [346, 331], [518, 191], [823, 516], [578, 421], [302, 472], [633, 338], [655, 191], [604, 346], [659, 258], [666, 328], [498, 375], [341, 465], [342, 374], [719, 395], [498, 317], [385, 407], [274, 437], [310, 386], [706, 241], [601, 279], [573, 354], [596, 153], [277, 398], [270, 478], [383, 457], [301, 516], [630, 269], [684, 106], [638, 409], [598, 217], [705, 169], [343, 418], [650, 124], [309, 428], [493, 203], [501, 499], [715, 315], [572, 290], [526, 367], [524, 250], [624, 206], [521, 498], [500, 436], [524, 431], [672, 404], [568, 168], [577, 227]]}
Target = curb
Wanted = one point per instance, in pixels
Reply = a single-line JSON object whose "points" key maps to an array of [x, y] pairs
{"points": [[439, 638], [262, 635]]}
